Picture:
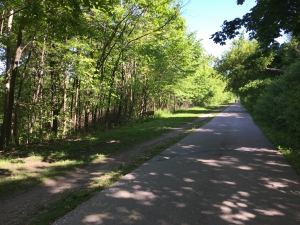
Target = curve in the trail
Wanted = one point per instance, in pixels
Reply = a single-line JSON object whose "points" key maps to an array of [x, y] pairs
{"points": [[226, 172]]}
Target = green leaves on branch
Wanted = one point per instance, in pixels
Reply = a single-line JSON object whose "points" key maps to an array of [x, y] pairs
{"points": [[88, 64], [265, 22]]}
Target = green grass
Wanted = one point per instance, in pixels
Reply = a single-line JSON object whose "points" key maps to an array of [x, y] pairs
{"points": [[153, 127], [22, 169], [70, 201], [286, 145]]}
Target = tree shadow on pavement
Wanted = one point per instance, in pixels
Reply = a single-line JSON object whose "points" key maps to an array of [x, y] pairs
{"points": [[203, 179]]}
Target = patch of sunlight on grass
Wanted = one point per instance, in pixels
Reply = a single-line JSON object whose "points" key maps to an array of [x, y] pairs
{"points": [[65, 162], [20, 176], [5, 163]]}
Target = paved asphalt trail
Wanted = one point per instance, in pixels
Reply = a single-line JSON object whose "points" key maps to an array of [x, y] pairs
{"points": [[225, 172]]}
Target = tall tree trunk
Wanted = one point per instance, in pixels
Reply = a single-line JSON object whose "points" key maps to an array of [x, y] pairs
{"points": [[10, 81], [38, 90], [54, 94], [121, 102], [16, 110], [112, 81], [7, 82], [132, 90], [12, 85]]}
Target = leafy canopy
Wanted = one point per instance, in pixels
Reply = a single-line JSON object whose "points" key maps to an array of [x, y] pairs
{"points": [[243, 63], [264, 22]]}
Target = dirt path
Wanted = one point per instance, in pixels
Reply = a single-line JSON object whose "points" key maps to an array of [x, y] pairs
{"points": [[19, 208]]}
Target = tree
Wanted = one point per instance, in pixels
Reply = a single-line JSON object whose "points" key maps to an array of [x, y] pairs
{"points": [[90, 64], [242, 63], [264, 22]]}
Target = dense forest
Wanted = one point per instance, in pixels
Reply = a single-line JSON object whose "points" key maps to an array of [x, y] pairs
{"points": [[71, 66], [264, 73]]}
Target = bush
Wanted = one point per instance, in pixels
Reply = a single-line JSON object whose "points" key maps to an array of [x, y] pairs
{"points": [[271, 106], [279, 106], [291, 82]]}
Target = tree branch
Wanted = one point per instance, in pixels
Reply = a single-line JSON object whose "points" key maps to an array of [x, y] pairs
{"points": [[274, 70]]}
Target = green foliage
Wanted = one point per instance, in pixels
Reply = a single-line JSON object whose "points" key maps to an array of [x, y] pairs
{"points": [[271, 106], [267, 80], [279, 106], [265, 22], [287, 54], [241, 64], [92, 65], [198, 84], [243, 67], [269, 87]]}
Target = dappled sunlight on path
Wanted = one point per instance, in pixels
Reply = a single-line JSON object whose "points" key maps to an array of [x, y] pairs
{"points": [[226, 172]]}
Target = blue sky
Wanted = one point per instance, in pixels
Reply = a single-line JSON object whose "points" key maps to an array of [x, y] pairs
{"points": [[207, 16]]}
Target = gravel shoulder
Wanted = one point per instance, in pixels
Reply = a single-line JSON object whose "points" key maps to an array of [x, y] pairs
{"points": [[22, 208]]}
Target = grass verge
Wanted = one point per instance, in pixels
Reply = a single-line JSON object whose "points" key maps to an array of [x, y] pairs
{"points": [[24, 168], [71, 200], [284, 141], [281, 140]]}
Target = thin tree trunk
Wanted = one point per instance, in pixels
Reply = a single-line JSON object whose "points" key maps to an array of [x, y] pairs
{"points": [[64, 105], [2, 24], [133, 91], [112, 81], [76, 104], [120, 107], [54, 94], [86, 114], [174, 103], [38, 90], [71, 125], [16, 111], [144, 96]]}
